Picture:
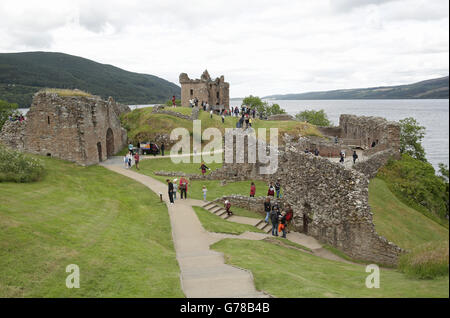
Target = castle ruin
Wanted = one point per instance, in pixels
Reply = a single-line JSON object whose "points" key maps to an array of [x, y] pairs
{"points": [[81, 129], [215, 92]]}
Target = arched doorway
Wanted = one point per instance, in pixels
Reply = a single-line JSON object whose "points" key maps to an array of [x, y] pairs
{"points": [[109, 143], [99, 150]]}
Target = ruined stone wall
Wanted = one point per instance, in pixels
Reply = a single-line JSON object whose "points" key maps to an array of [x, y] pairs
{"points": [[372, 164], [370, 129], [205, 89], [85, 130]]}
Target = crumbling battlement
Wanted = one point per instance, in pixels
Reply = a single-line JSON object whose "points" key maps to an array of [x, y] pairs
{"points": [[215, 92], [85, 130]]}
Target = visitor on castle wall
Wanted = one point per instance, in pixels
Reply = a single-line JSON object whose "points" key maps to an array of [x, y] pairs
{"points": [[170, 190], [252, 190], [271, 191], [316, 152], [175, 189], [306, 150], [342, 155], [267, 209], [183, 187], [282, 224], [136, 160], [162, 149], [289, 217], [278, 188], [204, 168], [355, 156], [274, 219], [335, 139]]}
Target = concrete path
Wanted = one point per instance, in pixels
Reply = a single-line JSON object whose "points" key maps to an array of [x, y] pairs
{"points": [[203, 271]]}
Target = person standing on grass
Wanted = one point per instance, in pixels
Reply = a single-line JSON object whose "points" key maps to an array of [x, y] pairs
{"points": [[170, 184], [183, 187], [355, 156], [228, 207], [204, 168], [267, 209], [173, 101], [204, 190], [136, 161], [271, 191], [274, 220], [175, 189], [252, 190], [289, 217], [210, 113], [162, 149], [282, 224], [223, 119], [278, 188]]}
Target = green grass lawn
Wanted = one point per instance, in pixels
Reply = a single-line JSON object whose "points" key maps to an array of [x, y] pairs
{"points": [[113, 228], [287, 272], [214, 223], [400, 223], [215, 189]]}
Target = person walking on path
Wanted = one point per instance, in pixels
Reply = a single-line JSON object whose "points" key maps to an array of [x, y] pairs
{"points": [[252, 190], [125, 161], [223, 119], [274, 220], [175, 189], [289, 216], [267, 209], [278, 188], [228, 207], [282, 224], [170, 190], [204, 190], [355, 156], [271, 191], [204, 168], [129, 158], [162, 149], [183, 187], [136, 161]]}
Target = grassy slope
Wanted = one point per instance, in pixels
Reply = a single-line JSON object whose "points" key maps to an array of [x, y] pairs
{"points": [[215, 189], [285, 272], [214, 223], [112, 227], [398, 222]]}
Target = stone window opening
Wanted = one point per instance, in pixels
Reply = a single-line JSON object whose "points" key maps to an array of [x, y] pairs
{"points": [[49, 154], [48, 120], [192, 92]]}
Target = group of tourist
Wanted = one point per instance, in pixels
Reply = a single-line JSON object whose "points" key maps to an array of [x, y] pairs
{"points": [[128, 160], [280, 218], [182, 186], [18, 118], [342, 156]]}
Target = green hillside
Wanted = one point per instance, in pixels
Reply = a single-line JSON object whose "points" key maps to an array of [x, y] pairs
{"points": [[23, 74], [429, 89]]}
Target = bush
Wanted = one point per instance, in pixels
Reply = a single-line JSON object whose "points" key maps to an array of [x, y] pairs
{"points": [[427, 261], [17, 167], [315, 117], [416, 184], [177, 102]]}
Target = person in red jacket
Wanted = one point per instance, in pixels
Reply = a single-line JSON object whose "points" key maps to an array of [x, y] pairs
{"points": [[173, 101], [271, 191], [183, 187], [136, 160], [252, 190], [289, 216], [227, 207]]}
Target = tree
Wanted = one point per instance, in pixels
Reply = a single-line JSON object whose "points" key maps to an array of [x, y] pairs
{"points": [[6, 110], [411, 135], [262, 107], [315, 117]]}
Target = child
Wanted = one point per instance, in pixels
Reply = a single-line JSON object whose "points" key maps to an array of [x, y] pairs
{"points": [[204, 192], [125, 161], [282, 224], [271, 191], [175, 189], [227, 207], [252, 190]]}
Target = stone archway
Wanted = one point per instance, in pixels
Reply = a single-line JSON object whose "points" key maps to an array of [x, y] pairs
{"points": [[109, 143]]}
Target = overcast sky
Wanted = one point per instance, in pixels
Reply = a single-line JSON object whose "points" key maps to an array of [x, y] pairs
{"points": [[261, 47]]}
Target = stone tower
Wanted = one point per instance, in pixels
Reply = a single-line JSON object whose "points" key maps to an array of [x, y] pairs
{"points": [[215, 92]]}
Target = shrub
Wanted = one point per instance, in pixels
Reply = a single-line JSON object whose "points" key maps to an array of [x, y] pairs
{"points": [[416, 184], [315, 117], [427, 261], [18, 167], [177, 102]]}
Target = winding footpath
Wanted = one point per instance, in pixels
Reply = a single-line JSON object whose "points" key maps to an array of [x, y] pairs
{"points": [[204, 273]]}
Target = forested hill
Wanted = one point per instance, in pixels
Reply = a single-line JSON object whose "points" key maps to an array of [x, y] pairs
{"points": [[429, 89], [22, 74]]}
